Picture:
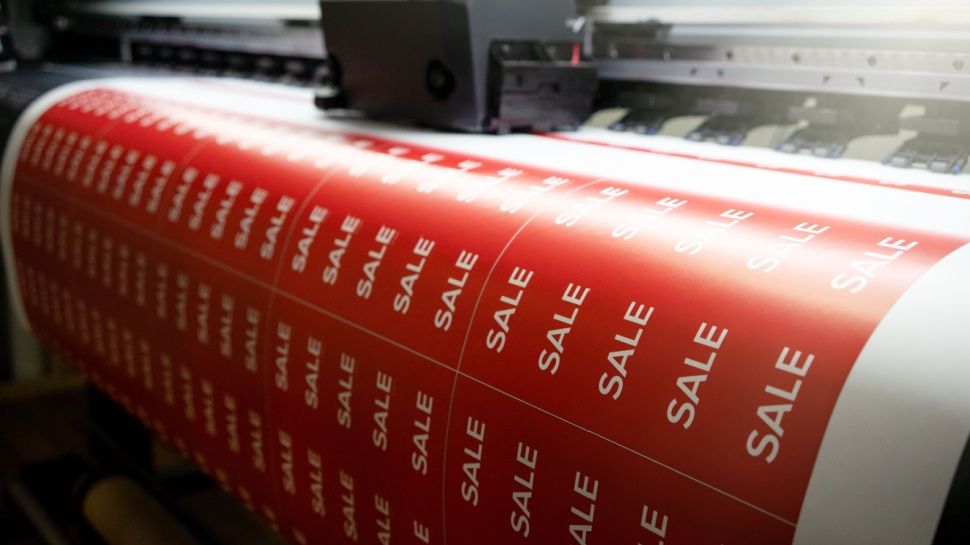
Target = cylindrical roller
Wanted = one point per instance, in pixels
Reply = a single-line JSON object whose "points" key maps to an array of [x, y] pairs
{"points": [[123, 513], [380, 335]]}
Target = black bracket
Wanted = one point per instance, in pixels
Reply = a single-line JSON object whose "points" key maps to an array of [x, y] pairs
{"points": [[942, 154], [643, 121], [820, 141], [724, 129], [733, 115], [942, 143], [649, 106], [835, 121], [539, 86]]}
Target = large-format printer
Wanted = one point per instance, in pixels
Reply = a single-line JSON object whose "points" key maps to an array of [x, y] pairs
{"points": [[504, 271]]}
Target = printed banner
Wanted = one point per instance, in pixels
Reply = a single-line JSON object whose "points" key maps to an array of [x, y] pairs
{"points": [[369, 338]]}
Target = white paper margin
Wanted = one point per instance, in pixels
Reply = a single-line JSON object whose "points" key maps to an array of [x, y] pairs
{"points": [[899, 427]]}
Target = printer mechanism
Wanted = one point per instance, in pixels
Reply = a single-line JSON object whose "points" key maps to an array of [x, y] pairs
{"points": [[445, 80], [834, 73], [847, 73]]}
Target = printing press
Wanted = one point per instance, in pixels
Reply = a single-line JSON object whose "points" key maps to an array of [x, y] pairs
{"points": [[504, 271]]}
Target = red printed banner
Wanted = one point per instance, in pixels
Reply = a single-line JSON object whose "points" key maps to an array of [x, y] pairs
{"points": [[367, 339]]}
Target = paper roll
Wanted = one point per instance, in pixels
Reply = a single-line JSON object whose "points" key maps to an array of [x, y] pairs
{"points": [[375, 335]]}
